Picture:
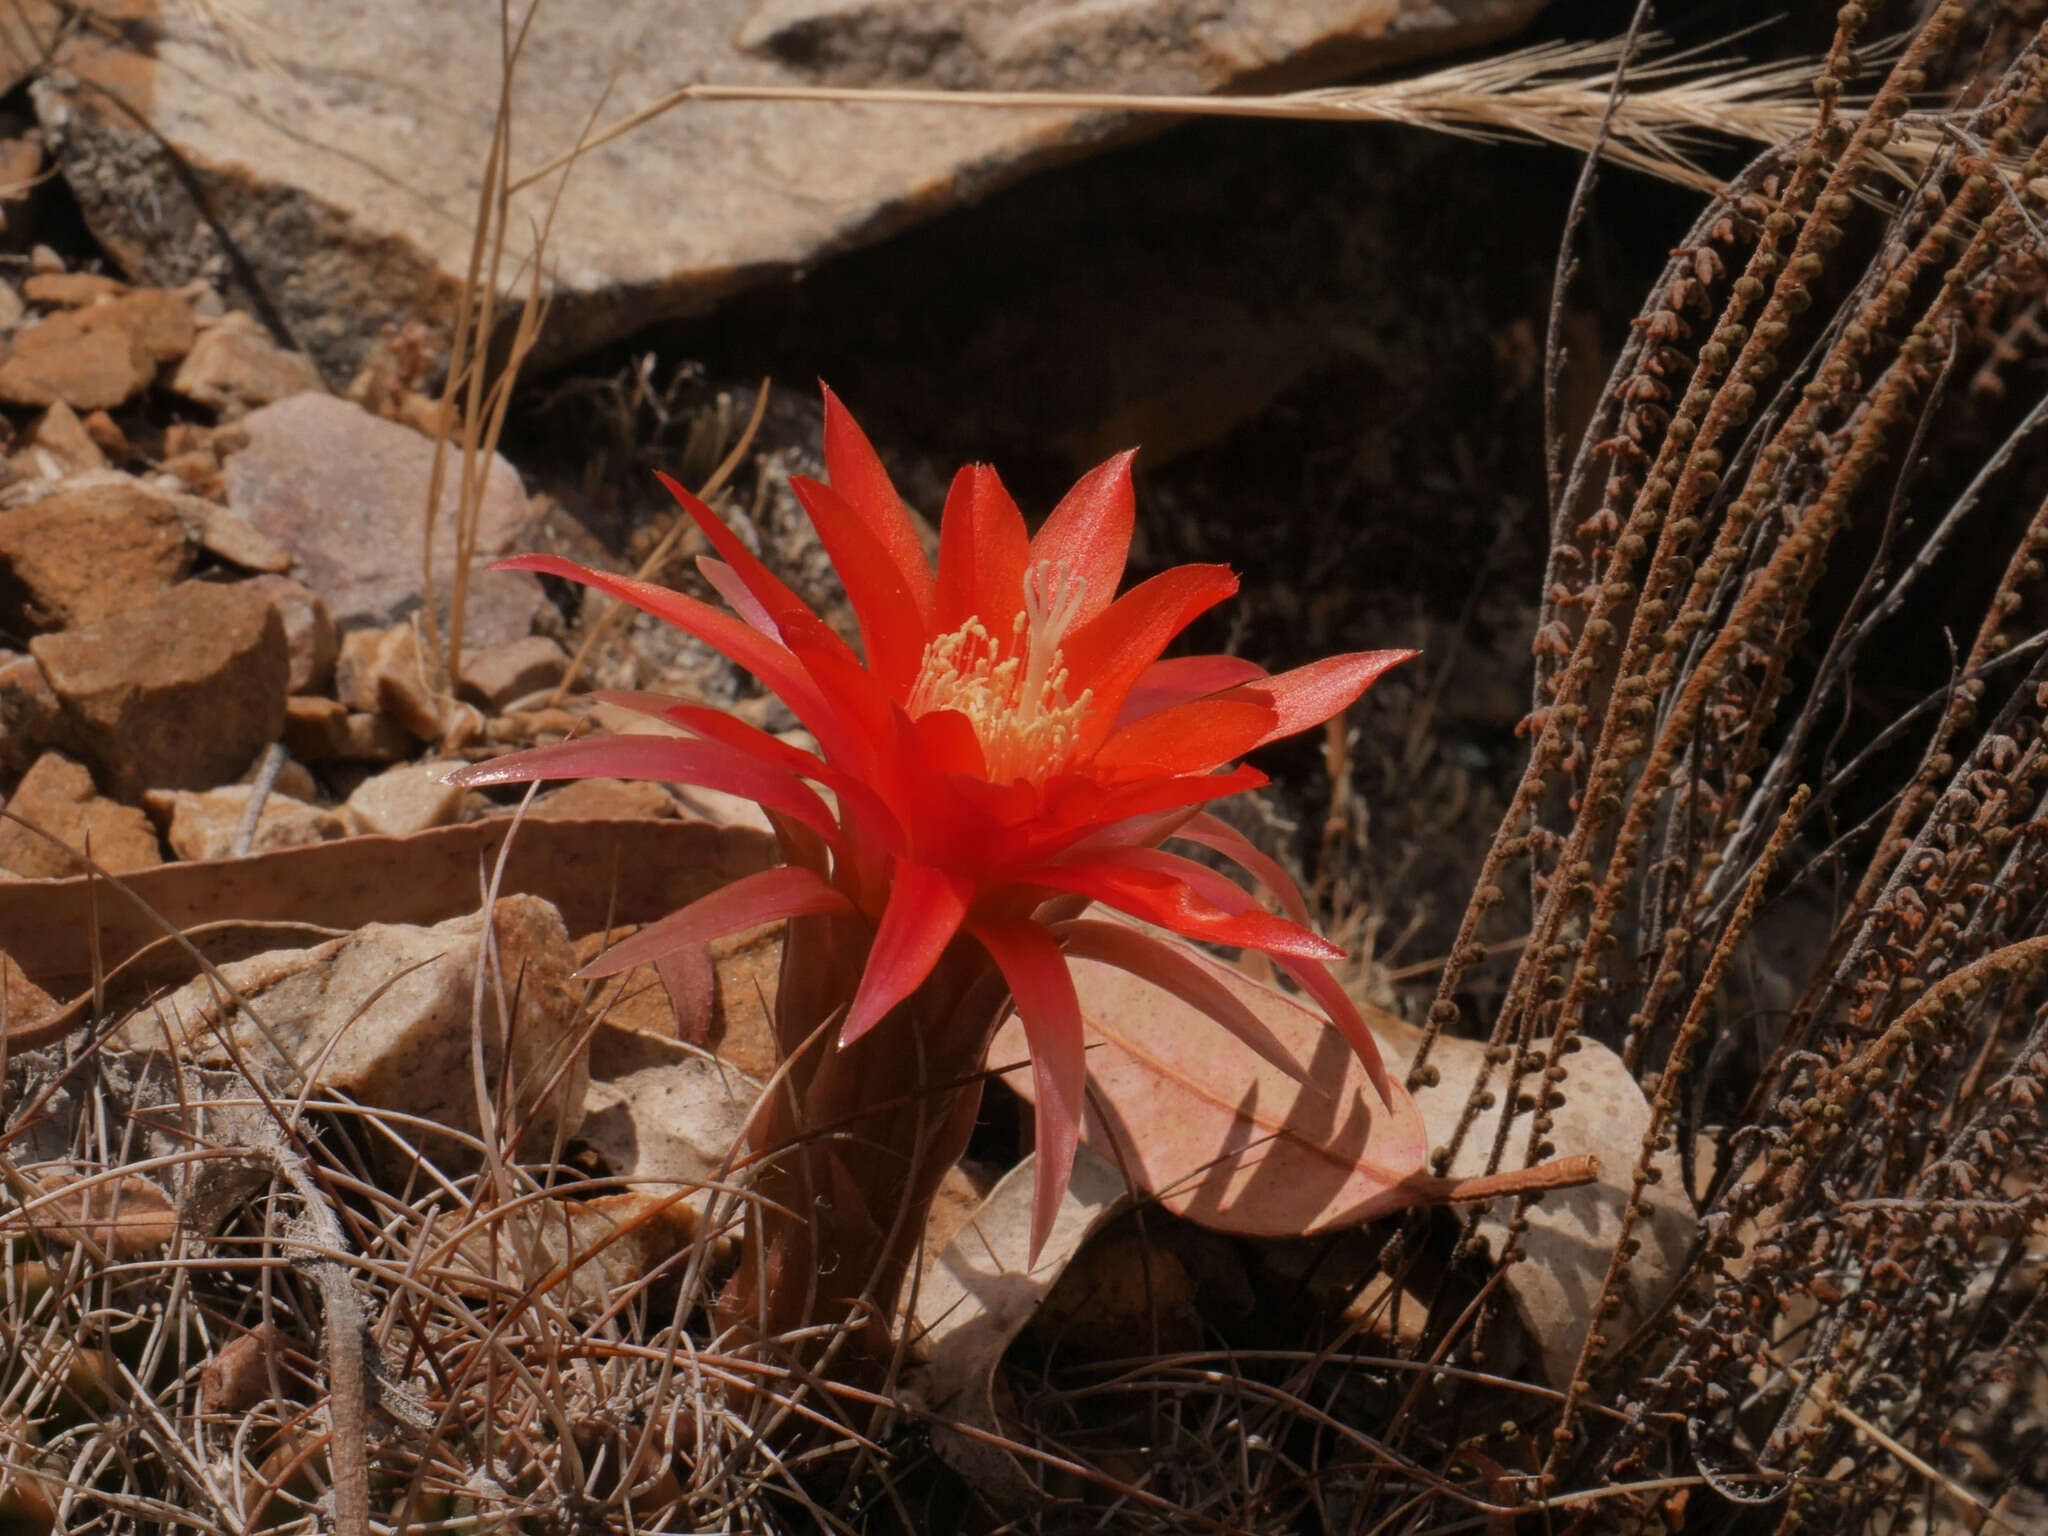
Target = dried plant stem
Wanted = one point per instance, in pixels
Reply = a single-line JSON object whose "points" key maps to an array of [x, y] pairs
{"points": [[1556, 94]]}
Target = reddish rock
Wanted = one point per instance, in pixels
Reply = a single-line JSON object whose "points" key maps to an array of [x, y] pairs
{"points": [[80, 556], [31, 715], [498, 675], [384, 670], [308, 630], [402, 800], [159, 319], [57, 795], [323, 730], [71, 290], [178, 693], [204, 824], [21, 157], [25, 1002], [605, 800], [90, 359], [105, 434], [234, 539], [234, 367], [368, 737], [11, 308], [346, 493], [57, 446]]}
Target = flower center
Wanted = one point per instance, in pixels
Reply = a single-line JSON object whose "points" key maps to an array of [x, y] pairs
{"points": [[1015, 693]]}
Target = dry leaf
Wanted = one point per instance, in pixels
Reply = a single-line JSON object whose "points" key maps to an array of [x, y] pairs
{"points": [[982, 1292], [1219, 1134], [660, 1113], [122, 1216], [1572, 1232], [1227, 1140], [595, 872]]}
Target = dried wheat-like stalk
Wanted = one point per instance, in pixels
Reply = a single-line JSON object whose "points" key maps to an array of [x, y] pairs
{"points": [[1554, 94], [1789, 470]]}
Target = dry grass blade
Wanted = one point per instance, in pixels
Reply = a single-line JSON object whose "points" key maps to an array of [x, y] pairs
{"points": [[1553, 94]]}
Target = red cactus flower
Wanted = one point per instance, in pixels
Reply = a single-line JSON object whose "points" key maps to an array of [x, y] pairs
{"points": [[1010, 747]]}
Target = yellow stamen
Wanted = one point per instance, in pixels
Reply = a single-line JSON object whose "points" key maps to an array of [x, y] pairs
{"points": [[1014, 694]]}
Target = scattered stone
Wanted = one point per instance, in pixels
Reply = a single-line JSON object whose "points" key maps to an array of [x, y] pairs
{"points": [[71, 290], [234, 367], [205, 824], [57, 446], [105, 434], [351, 240], [373, 738], [57, 795], [235, 539], [21, 172], [43, 259], [11, 308], [31, 714], [25, 1002], [308, 628], [159, 319], [192, 455], [605, 800], [177, 693], [315, 727], [90, 359], [386, 1014], [384, 670], [402, 800], [81, 555], [323, 730], [345, 492], [292, 778], [499, 675]]}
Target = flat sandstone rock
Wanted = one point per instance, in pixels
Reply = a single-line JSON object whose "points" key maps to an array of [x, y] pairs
{"points": [[360, 215]]}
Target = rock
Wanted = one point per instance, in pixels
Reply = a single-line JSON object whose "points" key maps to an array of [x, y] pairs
{"points": [[313, 727], [308, 629], [351, 221], [88, 358], [499, 675], [236, 540], [408, 798], [161, 320], [234, 367], [205, 824], [384, 670], [105, 434], [322, 730], [82, 555], [71, 290], [346, 493], [57, 795], [386, 1012], [605, 800], [21, 174], [292, 777], [11, 308], [58, 445], [177, 693], [25, 1002], [31, 714]]}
